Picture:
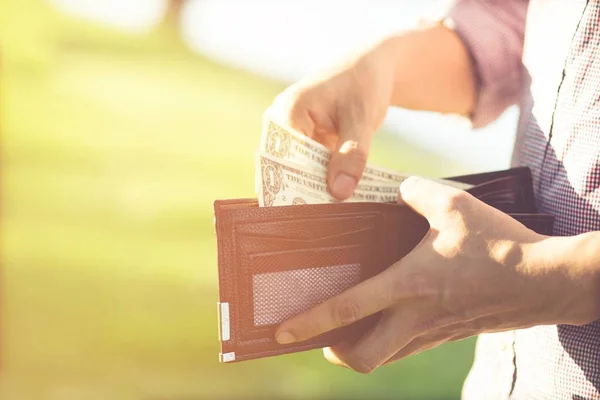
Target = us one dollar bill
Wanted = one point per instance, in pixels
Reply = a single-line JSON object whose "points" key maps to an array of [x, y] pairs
{"points": [[284, 183], [291, 169], [287, 144]]}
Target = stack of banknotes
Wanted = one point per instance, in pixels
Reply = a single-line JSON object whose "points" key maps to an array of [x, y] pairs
{"points": [[291, 169]]}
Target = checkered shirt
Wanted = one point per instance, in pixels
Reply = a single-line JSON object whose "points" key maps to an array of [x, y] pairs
{"points": [[543, 55]]}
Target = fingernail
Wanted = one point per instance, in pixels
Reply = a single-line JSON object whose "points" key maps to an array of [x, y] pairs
{"points": [[343, 186], [285, 338]]}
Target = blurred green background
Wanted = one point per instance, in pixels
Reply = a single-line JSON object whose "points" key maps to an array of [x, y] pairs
{"points": [[114, 147]]}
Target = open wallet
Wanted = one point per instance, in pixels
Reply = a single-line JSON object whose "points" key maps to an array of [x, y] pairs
{"points": [[276, 262]]}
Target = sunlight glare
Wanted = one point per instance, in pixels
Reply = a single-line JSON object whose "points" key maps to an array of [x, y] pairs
{"points": [[129, 15]]}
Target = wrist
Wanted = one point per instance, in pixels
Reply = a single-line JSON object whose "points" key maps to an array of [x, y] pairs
{"points": [[569, 268]]}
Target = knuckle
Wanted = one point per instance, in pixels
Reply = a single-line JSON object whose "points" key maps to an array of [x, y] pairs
{"points": [[417, 285], [453, 201], [306, 331], [413, 285], [428, 326], [346, 311], [291, 105], [399, 290], [396, 291], [295, 116], [299, 117]]}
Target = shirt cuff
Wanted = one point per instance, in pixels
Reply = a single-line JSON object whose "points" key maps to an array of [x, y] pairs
{"points": [[493, 34]]}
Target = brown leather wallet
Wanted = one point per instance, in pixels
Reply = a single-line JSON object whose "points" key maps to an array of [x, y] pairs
{"points": [[275, 262]]}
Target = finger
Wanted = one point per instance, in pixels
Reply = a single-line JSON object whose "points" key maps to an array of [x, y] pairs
{"points": [[373, 349], [448, 330], [429, 198], [294, 111], [348, 160], [426, 342], [360, 301], [289, 107], [330, 356], [415, 347], [327, 138]]}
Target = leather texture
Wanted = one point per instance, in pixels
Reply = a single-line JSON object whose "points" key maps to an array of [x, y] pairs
{"points": [[275, 262]]}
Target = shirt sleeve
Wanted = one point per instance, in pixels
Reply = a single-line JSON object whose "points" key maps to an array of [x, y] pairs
{"points": [[493, 32]]}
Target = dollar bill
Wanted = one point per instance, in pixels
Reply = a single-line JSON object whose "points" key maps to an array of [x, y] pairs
{"points": [[287, 144], [292, 146], [284, 183], [321, 175]]}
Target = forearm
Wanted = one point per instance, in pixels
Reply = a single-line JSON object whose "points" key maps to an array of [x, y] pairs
{"points": [[473, 68], [575, 261], [432, 71]]}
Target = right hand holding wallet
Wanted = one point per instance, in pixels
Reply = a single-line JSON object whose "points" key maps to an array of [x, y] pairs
{"points": [[276, 262]]}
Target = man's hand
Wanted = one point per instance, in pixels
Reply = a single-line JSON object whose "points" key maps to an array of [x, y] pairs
{"points": [[341, 108], [476, 270], [427, 69]]}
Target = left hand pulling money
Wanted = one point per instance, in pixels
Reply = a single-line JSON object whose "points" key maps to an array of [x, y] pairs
{"points": [[476, 270]]}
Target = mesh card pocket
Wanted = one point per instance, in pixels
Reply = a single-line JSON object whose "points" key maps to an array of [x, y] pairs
{"points": [[278, 285], [278, 296]]}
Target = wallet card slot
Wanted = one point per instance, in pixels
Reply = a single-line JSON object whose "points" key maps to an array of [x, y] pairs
{"points": [[507, 194], [483, 177], [278, 285], [278, 261], [308, 229], [504, 200], [306, 233], [540, 223], [251, 244], [286, 283], [352, 232]]}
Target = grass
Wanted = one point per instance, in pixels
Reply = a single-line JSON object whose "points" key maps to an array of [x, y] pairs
{"points": [[113, 149]]}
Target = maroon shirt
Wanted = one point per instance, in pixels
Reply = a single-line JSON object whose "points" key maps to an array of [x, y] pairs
{"points": [[543, 55]]}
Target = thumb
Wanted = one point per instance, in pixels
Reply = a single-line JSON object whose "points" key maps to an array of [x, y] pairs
{"points": [[348, 161], [429, 198]]}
